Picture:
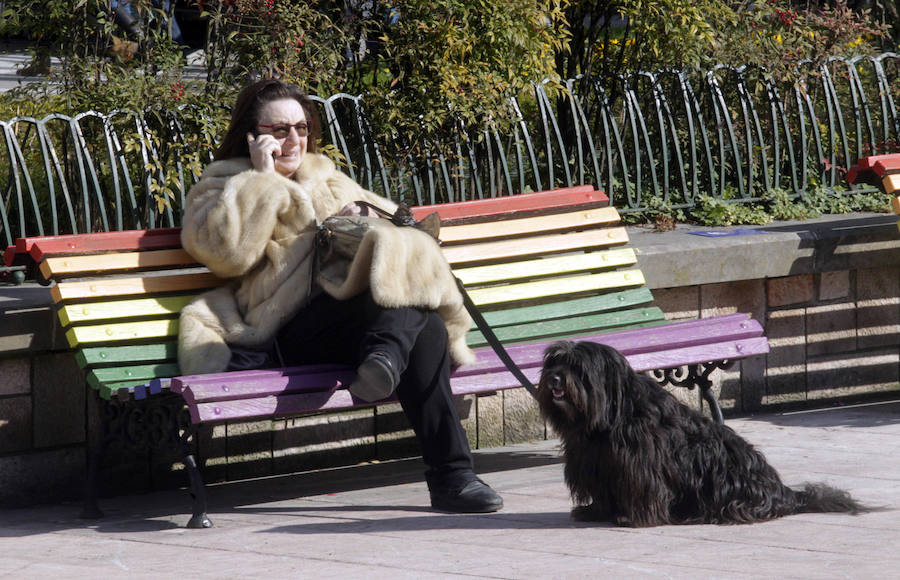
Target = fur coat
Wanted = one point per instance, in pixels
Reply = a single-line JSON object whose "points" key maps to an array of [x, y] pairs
{"points": [[258, 230]]}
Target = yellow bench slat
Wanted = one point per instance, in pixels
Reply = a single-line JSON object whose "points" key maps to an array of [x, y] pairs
{"points": [[142, 307], [111, 262], [108, 287], [530, 225], [122, 331], [559, 265], [505, 249], [555, 287]]}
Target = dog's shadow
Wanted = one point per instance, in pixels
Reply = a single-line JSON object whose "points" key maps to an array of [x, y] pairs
{"points": [[861, 416]]}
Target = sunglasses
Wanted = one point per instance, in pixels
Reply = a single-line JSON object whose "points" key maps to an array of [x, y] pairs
{"points": [[282, 130]]}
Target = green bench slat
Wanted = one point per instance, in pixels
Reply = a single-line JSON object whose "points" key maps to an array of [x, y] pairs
{"points": [[112, 355], [567, 327], [140, 373], [570, 308]]}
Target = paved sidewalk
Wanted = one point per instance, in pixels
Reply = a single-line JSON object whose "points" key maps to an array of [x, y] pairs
{"points": [[372, 521]]}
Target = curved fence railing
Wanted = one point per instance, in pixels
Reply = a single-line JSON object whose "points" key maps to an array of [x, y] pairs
{"points": [[666, 137]]}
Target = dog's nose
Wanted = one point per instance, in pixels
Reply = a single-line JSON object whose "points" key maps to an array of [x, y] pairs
{"points": [[554, 382]]}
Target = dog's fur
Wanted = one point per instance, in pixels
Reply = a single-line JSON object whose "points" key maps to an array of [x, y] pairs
{"points": [[637, 457]]}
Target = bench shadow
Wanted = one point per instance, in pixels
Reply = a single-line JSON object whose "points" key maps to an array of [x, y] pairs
{"points": [[170, 509]]}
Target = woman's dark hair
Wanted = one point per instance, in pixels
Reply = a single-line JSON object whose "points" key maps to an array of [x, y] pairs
{"points": [[245, 116]]}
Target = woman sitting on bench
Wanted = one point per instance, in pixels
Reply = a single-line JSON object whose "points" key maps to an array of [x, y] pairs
{"points": [[252, 219]]}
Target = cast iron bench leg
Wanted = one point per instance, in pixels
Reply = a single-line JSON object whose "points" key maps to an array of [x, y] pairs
{"points": [[696, 375], [199, 519]]}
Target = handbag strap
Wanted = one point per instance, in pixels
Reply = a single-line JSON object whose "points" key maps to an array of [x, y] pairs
{"points": [[402, 217], [495, 343]]}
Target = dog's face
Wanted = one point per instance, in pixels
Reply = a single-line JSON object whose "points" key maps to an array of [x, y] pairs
{"points": [[582, 385]]}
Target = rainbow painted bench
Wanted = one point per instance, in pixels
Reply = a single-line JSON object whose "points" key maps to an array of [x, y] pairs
{"points": [[541, 267]]}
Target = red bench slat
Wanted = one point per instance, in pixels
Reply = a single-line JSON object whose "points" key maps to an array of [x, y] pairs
{"points": [[495, 206], [9, 254], [39, 247], [879, 165]]}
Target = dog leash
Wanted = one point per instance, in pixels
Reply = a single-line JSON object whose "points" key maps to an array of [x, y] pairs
{"points": [[495, 343]]}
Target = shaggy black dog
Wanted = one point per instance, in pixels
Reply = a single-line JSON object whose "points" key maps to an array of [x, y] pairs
{"points": [[637, 457]]}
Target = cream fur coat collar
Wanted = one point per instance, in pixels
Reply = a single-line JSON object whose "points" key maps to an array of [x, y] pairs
{"points": [[258, 230]]}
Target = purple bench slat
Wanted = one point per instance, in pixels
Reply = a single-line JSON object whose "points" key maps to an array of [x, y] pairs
{"points": [[668, 358], [699, 354], [225, 388], [238, 385], [179, 382], [629, 342], [271, 406], [257, 393], [295, 403]]}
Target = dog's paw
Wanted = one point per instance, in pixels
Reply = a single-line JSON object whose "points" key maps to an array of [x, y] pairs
{"points": [[590, 513]]}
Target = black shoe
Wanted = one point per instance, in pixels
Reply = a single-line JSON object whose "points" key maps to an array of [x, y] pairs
{"points": [[469, 497], [375, 378]]}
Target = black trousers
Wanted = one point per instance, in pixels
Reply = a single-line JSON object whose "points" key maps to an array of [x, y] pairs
{"points": [[346, 331]]}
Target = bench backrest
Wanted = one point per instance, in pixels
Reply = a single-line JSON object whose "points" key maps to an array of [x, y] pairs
{"points": [[543, 265]]}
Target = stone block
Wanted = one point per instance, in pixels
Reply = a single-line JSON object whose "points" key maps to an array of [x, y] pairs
{"points": [[678, 303], [790, 290], [15, 376], [59, 401], [834, 285], [15, 424], [27, 330], [785, 373], [845, 375], [752, 377], [43, 477], [830, 329], [742, 296], [521, 417], [326, 440], [877, 308], [468, 415], [490, 420]]}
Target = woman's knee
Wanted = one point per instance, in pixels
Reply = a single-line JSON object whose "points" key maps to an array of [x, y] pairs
{"points": [[434, 332]]}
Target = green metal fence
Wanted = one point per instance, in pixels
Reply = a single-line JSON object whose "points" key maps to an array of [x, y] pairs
{"points": [[730, 132]]}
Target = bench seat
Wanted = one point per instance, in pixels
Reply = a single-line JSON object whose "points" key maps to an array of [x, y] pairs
{"points": [[273, 393]]}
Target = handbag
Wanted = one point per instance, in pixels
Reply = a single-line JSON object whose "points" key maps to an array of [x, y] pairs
{"points": [[338, 237]]}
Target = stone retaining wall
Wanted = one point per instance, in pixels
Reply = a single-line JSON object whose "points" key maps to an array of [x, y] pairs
{"points": [[827, 292]]}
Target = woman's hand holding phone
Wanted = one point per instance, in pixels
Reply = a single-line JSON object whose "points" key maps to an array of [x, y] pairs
{"points": [[264, 150]]}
